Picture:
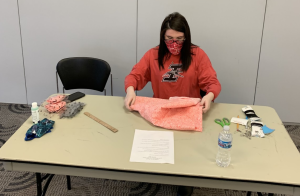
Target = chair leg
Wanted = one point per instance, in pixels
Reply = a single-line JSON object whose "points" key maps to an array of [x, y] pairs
{"points": [[69, 182], [38, 184], [259, 194], [57, 83], [47, 184], [111, 85]]}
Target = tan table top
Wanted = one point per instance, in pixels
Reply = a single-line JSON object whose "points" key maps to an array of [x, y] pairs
{"points": [[83, 142]]}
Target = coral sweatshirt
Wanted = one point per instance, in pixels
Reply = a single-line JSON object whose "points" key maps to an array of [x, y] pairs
{"points": [[172, 81]]}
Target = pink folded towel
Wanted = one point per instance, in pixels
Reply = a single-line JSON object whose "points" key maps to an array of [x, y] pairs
{"points": [[179, 113]]}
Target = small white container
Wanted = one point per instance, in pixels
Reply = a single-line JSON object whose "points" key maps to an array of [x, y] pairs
{"points": [[35, 113]]}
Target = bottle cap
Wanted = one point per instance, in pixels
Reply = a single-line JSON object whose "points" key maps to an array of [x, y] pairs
{"points": [[226, 128], [34, 104]]}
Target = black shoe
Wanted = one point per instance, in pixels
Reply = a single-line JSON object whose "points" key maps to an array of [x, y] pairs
{"points": [[185, 191]]}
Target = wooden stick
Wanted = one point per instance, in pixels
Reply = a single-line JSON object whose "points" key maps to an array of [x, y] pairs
{"points": [[101, 122]]}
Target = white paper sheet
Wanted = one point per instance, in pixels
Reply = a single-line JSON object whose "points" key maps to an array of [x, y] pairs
{"points": [[153, 147]]}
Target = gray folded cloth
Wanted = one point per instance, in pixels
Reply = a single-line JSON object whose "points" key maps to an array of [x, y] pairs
{"points": [[72, 109]]}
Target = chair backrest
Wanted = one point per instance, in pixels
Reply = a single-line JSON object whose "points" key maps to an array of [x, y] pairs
{"points": [[202, 93], [83, 73]]}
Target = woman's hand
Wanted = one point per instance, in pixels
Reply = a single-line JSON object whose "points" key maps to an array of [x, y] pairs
{"points": [[130, 97], [206, 101]]}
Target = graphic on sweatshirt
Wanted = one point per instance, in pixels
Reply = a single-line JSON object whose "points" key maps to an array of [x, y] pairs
{"points": [[174, 74]]}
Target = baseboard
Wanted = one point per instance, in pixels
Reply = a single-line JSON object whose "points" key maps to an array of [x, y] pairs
{"points": [[291, 123]]}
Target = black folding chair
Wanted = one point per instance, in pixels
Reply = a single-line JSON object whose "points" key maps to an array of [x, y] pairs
{"points": [[202, 93], [83, 73], [77, 73]]}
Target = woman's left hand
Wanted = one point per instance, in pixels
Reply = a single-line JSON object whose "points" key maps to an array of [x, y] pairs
{"points": [[206, 101]]}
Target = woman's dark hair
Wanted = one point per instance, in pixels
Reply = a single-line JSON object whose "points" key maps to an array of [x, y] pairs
{"points": [[176, 22]]}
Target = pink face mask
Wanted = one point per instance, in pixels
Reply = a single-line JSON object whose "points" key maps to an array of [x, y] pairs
{"points": [[174, 47]]}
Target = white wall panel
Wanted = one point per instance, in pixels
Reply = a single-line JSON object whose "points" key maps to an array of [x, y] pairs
{"points": [[12, 82], [279, 70], [56, 29]]}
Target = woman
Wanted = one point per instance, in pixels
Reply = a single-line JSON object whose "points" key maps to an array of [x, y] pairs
{"points": [[175, 68]]}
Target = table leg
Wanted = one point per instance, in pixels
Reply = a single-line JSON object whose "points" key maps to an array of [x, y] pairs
{"points": [[38, 184]]}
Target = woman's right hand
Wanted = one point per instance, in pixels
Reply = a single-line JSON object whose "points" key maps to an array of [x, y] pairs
{"points": [[130, 97]]}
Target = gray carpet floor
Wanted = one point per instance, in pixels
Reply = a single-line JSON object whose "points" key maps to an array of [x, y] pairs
{"points": [[12, 117]]}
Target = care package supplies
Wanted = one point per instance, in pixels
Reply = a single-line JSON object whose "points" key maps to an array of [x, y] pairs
{"points": [[250, 113], [239, 121], [72, 109], [56, 103], [179, 113], [38, 130], [56, 107], [257, 130], [56, 99], [267, 130]]}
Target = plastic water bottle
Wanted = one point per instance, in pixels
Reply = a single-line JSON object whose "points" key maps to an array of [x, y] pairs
{"points": [[225, 144], [35, 112]]}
